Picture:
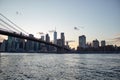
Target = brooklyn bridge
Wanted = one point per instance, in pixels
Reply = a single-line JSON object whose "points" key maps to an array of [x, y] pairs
{"points": [[17, 32]]}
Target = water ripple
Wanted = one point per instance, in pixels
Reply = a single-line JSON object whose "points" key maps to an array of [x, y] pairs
{"points": [[60, 67]]}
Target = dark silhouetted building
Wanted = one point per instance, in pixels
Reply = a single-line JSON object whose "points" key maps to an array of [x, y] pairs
{"points": [[59, 42], [47, 38], [82, 41], [11, 43], [103, 43], [96, 43], [30, 44], [63, 39], [42, 38], [55, 37], [3, 45]]}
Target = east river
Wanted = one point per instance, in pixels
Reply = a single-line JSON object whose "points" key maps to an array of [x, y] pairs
{"points": [[33, 66]]}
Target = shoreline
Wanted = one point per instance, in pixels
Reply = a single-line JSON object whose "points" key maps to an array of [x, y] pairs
{"points": [[82, 52]]}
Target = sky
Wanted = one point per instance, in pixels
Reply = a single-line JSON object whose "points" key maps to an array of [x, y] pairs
{"points": [[96, 19]]}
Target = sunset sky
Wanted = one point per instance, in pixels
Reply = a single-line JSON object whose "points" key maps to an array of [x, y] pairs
{"points": [[96, 19]]}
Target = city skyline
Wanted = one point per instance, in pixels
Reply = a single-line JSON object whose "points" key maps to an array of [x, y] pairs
{"points": [[23, 43], [96, 19]]}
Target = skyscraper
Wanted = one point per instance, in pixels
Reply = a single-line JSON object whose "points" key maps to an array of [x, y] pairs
{"points": [[103, 43], [82, 41], [95, 43], [63, 39], [47, 38], [42, 38], [55, 37]]}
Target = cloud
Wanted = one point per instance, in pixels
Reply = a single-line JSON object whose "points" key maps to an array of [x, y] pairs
{"points": [[117, 38], [114, 40], [118, 34]]}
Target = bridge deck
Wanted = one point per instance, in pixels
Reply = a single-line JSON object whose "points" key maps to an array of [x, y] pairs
{"points": [[14, 34]]}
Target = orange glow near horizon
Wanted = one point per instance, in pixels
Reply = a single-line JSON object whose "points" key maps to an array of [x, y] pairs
{"points": [[2, 37]]}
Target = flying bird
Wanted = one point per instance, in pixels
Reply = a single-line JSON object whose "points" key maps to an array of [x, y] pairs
{"points": [[76, 28], [18, 13]]}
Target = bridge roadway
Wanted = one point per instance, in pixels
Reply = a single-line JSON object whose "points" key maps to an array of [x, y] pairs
{"points": [[22, 36]]}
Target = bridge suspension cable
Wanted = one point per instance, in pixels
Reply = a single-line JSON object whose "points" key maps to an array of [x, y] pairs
{"points": [[9, 25], [14, 24], [7, 28]]}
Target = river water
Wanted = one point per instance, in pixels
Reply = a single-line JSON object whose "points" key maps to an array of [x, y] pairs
{"points": [[27, 66]]}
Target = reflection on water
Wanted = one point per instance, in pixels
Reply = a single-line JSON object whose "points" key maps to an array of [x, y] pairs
{"points": [[59, 66]]}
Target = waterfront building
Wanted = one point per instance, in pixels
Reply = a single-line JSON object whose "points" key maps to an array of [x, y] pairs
{"points": [[3, 45], [42, 38], [36, 46], [20, 44], [82, 41], [30, 44], [59, 42], [11, 43], [88, 45], [55, 37], [47, 38], [67, 45], [63, 39], [41, 45], [96, 43], [103, 43]]}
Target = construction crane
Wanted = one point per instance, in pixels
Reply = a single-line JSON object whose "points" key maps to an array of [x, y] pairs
{"points": [[51, 31], [41, 34]]}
